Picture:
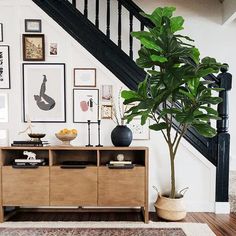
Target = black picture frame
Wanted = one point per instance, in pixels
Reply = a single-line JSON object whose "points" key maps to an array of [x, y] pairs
{"points": [[1, 32], [7, 62], [84, 121], [25, 110], [37, 21]]}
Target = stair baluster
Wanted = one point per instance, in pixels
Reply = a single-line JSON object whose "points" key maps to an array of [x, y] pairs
{"points": [[97, 14], [86, 8], [108, 18], [119, 23], [130, 37], [74, 3]]}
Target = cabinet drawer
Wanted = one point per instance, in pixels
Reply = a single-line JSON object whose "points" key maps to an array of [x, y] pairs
{"points": [[25, 187], [73, 187], [121, 187]]}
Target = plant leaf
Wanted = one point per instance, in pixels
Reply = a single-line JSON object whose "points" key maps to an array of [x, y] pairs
{"points": [[158, 126]]}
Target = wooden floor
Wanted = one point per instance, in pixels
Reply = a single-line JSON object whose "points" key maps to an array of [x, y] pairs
{"points": [[222, 225]]}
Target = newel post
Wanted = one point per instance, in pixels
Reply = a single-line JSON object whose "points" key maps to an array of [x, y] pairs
{"points": [[223, 138]]}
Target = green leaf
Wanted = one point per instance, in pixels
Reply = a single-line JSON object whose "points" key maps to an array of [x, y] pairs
{"points": [[127, 94], [141, 34], [158, 126], [150, 44], [158, 58], [176, 23], [205, 130], [211, 100], [209, 110]]}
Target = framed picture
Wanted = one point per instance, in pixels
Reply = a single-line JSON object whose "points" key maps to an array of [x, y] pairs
{"points": [[1, 32], [33, 47], [3, 108], [44, 96], [85, 105], [33, 25], [140, 132], [4, 67], [53, 49], [106, 112], [106, 95], [84, 77]]}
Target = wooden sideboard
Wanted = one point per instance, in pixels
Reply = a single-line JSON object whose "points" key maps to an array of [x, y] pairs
{"points": [[94, 186]]}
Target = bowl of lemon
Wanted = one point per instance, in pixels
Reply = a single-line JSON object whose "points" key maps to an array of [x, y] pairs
{"points": [[66, 136]]}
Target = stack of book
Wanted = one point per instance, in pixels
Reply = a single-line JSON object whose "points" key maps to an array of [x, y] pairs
{"points": [[121, 164], [27, 162], [30, 144]]}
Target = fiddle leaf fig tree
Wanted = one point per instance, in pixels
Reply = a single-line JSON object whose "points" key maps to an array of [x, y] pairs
{"points": [[174, 88]]}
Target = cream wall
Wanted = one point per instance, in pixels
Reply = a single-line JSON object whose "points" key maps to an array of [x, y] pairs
{"points": [[201, 19]]}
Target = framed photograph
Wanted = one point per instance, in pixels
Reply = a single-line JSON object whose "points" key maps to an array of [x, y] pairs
{"points": [[33, 25], [140, 132], [85, 105], [1, 32], [3, 108], [44, 96], [33, 47], [53, 49], [84, 77], [106, 112], [106, 95], [4, 67]]}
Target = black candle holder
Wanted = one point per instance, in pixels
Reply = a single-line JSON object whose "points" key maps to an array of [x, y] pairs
{"points": [[99, 134], [89, 144]]}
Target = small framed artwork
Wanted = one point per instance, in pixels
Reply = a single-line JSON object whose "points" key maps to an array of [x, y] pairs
{"points": [[3, 108], [4, 67], [33, 25], [140, 132], [84, 77], [33, 47], [106, 112], [85, 105], [1, 32], [44, 96], [53, 49], [106, 95]]}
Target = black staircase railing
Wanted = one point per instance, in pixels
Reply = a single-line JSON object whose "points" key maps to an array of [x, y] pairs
{"points": [[76, 22]]}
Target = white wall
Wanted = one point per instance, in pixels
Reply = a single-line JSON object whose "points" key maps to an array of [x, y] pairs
{"points": [[203, 23]]}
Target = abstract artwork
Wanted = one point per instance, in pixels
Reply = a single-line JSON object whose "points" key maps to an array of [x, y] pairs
{"points": [[33, 47], [85, 105], [84, 77], [4, 67], [44, 92], [3, 108], [140, 132], [106, 93]]}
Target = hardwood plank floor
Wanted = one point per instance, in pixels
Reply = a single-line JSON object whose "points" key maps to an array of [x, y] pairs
{"points": [[222, 225]]}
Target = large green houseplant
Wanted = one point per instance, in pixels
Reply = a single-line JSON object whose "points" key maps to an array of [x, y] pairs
{"points": [[174, 88]]}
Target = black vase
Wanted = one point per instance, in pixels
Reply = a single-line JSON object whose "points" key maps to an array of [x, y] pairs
{"points": [[121, 136]]}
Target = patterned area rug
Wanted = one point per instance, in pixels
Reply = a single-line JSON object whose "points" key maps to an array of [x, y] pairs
{"points": [[92, 232], [93, 228]]}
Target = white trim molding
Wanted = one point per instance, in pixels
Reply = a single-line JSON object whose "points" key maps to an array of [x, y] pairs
{"points": [[222, 208]]}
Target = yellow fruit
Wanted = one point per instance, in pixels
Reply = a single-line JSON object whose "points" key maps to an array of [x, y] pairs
{"points": [[74, 131]]}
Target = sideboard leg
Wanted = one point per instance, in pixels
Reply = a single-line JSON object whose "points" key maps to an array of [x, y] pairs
{"points": [[1, 214], [145, 214]]}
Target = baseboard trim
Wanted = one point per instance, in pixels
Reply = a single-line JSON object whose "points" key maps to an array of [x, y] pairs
{"points": [[222, 208]]}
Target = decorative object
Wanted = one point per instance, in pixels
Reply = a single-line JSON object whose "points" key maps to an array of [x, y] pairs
{"points": [[177, 77], [1, 32], [28, 128], [4, 67], [89, 144], [66, 136], [140, 132], [3, 108], [33, 25], [36, 137], [120, 157], [53, 49], [44, 97], [84, 77], [4, 137], [85, 105], [121, 136], [30, 155], [33, 47], [106, 94], [106, 111], [99, 134]]}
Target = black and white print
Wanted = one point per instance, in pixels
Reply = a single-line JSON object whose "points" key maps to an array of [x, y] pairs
{"points": [[4, 67]]}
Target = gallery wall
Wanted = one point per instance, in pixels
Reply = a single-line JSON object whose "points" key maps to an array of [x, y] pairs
{"points": [[192, 169]]}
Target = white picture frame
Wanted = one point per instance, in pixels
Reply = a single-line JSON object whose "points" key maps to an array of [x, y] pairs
{"points": [[1, 32], [140, 132], [5, 82], [53, 49], [85, 77], [44, 94], [85, 105], [107, 93], [3, 108]]}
